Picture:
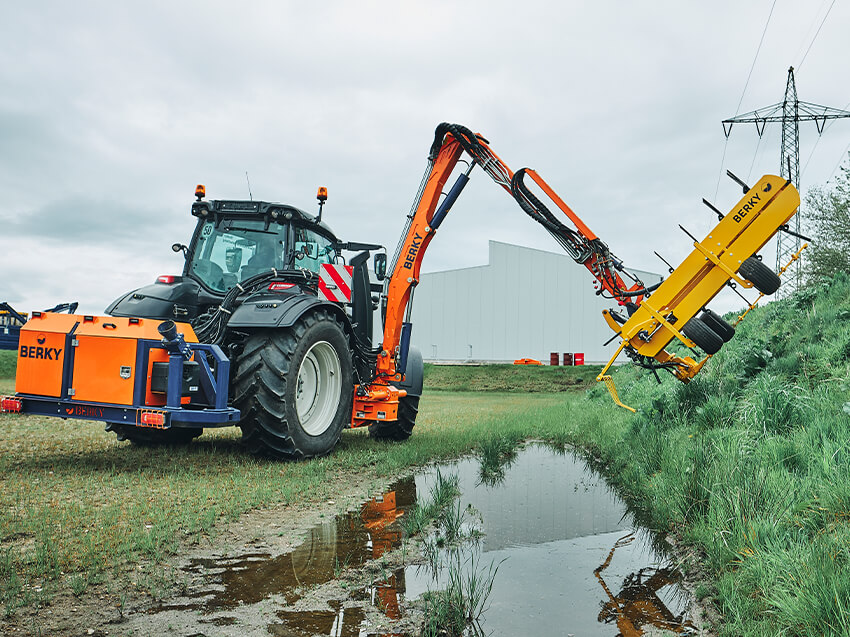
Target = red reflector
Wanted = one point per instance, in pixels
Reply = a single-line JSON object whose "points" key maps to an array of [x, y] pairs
{"points": [[166, 278], [153, 419], [277, 287], [11, 405]]}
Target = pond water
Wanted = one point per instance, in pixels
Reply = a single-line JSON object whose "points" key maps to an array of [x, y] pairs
{"points": [[571, 560], [571, 557]]}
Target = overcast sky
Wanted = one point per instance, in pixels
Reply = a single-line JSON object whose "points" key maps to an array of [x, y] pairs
{"points": [[111, 112]]}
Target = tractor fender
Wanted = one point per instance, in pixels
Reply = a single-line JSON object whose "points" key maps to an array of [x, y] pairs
{"points": [[277, 311], [414, 374]]}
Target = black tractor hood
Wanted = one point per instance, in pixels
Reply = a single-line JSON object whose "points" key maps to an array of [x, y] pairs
{"points": [[177, 301]]}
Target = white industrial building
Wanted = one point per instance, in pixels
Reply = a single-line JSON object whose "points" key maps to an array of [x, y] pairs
{"points": [[524, 303]]}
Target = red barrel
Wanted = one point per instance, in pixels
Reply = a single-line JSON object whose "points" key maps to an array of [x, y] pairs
{"points": [[578, 358], [568, 358], [553, 358]]}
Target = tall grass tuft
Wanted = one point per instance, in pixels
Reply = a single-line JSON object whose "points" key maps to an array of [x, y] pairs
{"points": [[455, 610], [772, 405], [438, 506], [496, 454]]}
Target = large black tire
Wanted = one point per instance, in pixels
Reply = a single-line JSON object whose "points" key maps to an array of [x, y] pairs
{"points": [[718, 325], [149, 437], [294, 388], [761, 276], [408, 407], [706, 339]]}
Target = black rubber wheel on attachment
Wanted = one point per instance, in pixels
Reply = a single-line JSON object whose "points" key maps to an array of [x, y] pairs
{"points": [[294, 388], [705, 338], [717, 325], [149, 437], [761, 276]]}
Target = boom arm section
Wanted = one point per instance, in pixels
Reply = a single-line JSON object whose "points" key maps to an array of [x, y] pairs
{"points": [[451, 142]]}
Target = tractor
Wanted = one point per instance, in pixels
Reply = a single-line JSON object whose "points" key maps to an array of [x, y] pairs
{"points": [[268, 283]]}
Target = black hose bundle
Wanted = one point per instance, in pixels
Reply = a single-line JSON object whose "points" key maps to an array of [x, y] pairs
{"points": [[210, 327]]}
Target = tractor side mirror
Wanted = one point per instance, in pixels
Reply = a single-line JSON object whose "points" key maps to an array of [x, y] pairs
{"points": [[381, 266], [179, 247]]}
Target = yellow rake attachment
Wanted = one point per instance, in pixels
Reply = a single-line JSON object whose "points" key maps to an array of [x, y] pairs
{"points": [[714, 262]]}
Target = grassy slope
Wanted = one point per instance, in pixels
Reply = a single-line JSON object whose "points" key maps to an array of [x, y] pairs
{"points": [[750, 464]]}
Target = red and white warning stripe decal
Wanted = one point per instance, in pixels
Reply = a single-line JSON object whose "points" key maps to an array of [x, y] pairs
{"points": [[335, 282]]}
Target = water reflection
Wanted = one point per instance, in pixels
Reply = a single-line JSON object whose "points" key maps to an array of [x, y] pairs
{"points": [[337, 622], [550, 523], [556, 529], [348, 541], [638, 603]]}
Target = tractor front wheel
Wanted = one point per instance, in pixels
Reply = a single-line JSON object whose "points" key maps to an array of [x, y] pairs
{"points": [[294, 388]]}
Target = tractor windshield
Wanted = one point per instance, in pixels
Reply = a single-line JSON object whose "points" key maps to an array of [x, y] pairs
{"points": [[236, 250]]}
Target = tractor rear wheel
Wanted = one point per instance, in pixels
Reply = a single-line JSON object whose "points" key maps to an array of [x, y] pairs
{"points": [[718, 325], [294, 388], [705, 338], [761, 276], [149, 437]]}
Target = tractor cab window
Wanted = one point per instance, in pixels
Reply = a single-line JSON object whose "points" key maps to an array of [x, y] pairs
{"points": [[236, 250], [312, 249]]}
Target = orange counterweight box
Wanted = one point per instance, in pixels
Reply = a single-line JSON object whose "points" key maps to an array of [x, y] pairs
{"points": [[42, 352], [89, 358]]}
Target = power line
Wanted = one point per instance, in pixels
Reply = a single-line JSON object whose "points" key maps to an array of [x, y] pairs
{"points": [[840, 159], [811, 29], [758, 50], [756, 154], [800, 65], [744, 92], [828, 126]]}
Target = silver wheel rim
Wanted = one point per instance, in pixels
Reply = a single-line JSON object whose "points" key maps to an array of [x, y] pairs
{"points": [[318, 388]]}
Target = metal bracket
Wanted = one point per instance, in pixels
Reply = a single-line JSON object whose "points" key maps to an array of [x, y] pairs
{"points": [[658, 317], [716, 261]]}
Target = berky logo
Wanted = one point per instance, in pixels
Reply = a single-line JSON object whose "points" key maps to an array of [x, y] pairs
{"points": [[43, 353], [41, 338]]}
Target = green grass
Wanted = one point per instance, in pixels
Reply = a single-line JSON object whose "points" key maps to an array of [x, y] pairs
{"points": [[509, 378], [8, 363]]}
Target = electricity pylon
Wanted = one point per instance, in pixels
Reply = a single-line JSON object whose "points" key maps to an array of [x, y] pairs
{"points": [[789, 113]]}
